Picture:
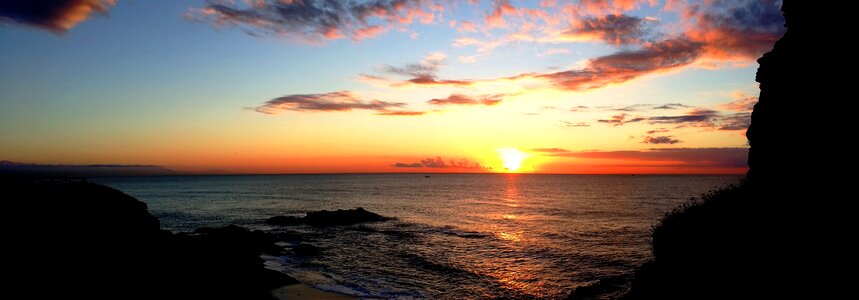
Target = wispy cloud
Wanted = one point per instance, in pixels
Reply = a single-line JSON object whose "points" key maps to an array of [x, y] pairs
{"points": [[741, 102], [671, 106], [575, 124], [613, 29], [317, 20], [660, 140], [439, 163], [334, 101], [57, 16], [736, 121], [621, 119], [459, 99]]}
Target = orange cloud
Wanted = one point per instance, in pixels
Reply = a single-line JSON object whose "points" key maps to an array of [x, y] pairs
{"points": [[458, 99], [612, 29], [741, 102], [626, 65], [730, 30], [334, 101], [57, 16]]}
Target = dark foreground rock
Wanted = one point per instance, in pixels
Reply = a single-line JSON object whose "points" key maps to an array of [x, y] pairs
{"points": [[784, 232], [72, 239], [325, 218]]}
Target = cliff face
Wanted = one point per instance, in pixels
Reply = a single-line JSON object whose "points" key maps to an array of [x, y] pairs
{"points": [[788, 128], [780, 234]]}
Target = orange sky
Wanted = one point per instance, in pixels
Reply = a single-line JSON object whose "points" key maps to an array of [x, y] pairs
{"points": [[425, 86]]}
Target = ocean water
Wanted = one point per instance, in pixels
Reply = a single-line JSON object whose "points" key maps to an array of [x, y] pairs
{"points": [[454, 236]]}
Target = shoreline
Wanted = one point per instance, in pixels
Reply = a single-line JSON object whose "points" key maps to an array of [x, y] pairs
{"points": [[303, 291]]}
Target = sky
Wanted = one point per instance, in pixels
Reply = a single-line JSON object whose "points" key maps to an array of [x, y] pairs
{"points": [[325, 86]]}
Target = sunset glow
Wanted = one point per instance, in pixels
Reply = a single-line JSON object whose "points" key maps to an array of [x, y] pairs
{"points": [[421, 86], [512, 159]]}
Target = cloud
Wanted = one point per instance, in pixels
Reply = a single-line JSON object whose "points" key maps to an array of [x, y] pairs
{"points": [[549, 150], [422, 73], [742, 29], [571, 124], [626, 65], [317, 20], [613, 29], [334, 101], [657, 130], [689, 157], [741, 102], [499, 9], [737, 121], [671, 106], [660, 140], [401, 113], [58, 16], [698, 117], [439, 163], [621, 119], [459, 99]]}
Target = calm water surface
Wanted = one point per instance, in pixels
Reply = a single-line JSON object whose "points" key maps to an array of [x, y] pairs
{"points": [[454, 236]]}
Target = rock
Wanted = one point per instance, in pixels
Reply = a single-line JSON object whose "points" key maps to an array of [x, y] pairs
{"points": [[73, 239], [283, 220], [325, 218], [305, 249]]}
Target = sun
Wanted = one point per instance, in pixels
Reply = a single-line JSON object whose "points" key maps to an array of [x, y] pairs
{"points": [[512, 158]]}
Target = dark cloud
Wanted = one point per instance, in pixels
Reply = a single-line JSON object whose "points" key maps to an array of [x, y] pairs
{"points": [[439, 163], [626, 65], [549, 150], [737, 121], [458, 99], [670, 106], [435, 81], [696, 117], [613, 29], [316, 19], [732, 28], [688, 157], [334, 101], [657, 130], [422, 73], [579, 108], [57, 16], [621, 119], [660, 140]]}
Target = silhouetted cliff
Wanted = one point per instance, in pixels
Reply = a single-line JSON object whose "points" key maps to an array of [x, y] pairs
{"points": [[774, 236], [72, 239]]}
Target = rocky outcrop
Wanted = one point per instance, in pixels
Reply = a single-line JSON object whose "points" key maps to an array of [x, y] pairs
{"points": [[325, 218], [777, 235], [73, 239]]}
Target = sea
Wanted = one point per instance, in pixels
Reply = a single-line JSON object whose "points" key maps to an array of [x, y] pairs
{"points": [[452, 236]]}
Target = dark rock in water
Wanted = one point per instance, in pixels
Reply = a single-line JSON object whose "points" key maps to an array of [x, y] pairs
{"points": [[284, 220], [72, 239], [325, 218], [342, 217], [305, 249]]}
